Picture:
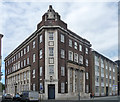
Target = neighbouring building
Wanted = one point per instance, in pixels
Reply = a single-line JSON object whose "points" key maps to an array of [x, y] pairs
{"points": [[118, 63], [0, 55], [104, 75], [53, 61]]}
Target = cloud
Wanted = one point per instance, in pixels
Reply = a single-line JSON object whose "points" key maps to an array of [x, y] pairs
{"points": [[96, 22]]}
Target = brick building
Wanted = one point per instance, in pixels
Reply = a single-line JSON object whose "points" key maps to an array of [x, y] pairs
{"points": [[103, 75], [53, 61]]}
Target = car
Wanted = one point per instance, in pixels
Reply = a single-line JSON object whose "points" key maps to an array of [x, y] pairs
{"points": [[6, 97], [17, 97], [29, 96]]}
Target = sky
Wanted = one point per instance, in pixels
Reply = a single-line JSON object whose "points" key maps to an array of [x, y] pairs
{"points": [[95, 21]]}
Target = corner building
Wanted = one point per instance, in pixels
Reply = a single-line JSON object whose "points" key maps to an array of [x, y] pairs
{"points": [[53, 61]]}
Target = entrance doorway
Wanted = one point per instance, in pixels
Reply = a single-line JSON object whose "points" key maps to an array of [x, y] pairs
{"points": [[51, 91], [106, 91]]}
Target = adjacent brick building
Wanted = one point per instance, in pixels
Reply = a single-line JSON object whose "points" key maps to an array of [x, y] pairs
{"points": [[53, 61], [104, 75]]}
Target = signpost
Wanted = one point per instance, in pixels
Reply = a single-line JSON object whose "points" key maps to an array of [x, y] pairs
{"points": [[41, 90]]}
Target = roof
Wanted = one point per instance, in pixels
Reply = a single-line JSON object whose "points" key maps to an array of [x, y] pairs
{"points": [[103, 56]]}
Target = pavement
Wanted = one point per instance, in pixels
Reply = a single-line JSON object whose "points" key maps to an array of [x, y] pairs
{"points": [[96, 99]]}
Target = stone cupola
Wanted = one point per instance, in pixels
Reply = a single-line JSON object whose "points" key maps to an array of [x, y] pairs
{"points": [[51, 18]]}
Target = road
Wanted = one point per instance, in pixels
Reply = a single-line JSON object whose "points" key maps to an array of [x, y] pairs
{"points": [[96, 99]]}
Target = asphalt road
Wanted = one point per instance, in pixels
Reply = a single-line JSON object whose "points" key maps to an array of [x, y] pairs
{"points": [[96, 99]]}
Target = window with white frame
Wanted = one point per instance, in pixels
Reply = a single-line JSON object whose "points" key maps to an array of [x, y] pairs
{"points": [[109, 73], [18, 77], [51, 60], [62, 71], [33, 87], [70, 73], [33, 73], [102, 79], [40, 53], [28, 48], [27, 74], [24, 51], [70, 42], [18, 64], [21, 64], [75, 45], [80, 59], [24, 62], [62, 38], [87, 88], [8, 71], [76, 57], [24, 75], [51, 51], [113, 74], [33, 44], [14, 67], [106, 66], [62, 87], [96, 68], [102, 70], [71, 87], [21, 53], [97, 89], [97, 78], [96, 59], [80, 47], [50, 35], [102, 90], [40, 38], [86, 50], [40, 71], [33, 58], [62, 53], [86, 62], [51, 69], [87, 75], [27, 60], [70, 55], [14, 60]]}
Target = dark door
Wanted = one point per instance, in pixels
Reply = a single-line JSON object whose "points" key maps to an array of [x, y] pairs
{"points": [[106, 91], [51, 91]]}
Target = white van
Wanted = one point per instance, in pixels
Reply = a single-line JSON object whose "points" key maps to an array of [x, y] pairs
{"points": [[30, 96]]}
